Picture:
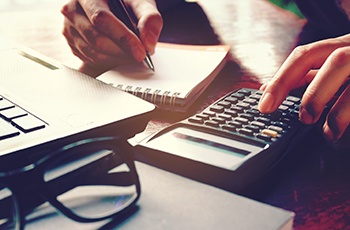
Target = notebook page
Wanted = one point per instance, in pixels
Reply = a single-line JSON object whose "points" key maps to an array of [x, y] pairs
{"points": [[178, 69]]}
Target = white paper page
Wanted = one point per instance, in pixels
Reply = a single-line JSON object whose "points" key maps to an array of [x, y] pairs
{"points": [[178, 68]]}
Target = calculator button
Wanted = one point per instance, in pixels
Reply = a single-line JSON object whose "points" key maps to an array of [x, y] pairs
{"points": [[294, 99], [237, 108], [259, 124], [225, 116], [209, 113], [283, 108], [253, 128], [243, 105], [255, 107], [269, 132], [203, 116], [217, 108], [280, 124], [294, 114], [275, 128], [247, 116], [196, 120], [230, 112], [241, 120], [225, 104], [230, 128], [256, 96], [244, 91], [250, 101], [231, 99], [247, 132], [288, 103], [285, 120], [263, 120], [253, 112], [235, 123], [212, 124], [218, 120], [239, 96], [263, 137]]}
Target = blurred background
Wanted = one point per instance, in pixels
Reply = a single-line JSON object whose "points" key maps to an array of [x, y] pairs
{"points": [[6, 5]]}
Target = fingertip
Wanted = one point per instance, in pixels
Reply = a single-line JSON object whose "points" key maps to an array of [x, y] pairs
{"points": [[266, 103], [64, 9], [305, 116], [263, 86], [328, 133]]}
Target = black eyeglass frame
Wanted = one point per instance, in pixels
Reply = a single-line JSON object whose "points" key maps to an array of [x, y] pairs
{"points": [[36, 170]]}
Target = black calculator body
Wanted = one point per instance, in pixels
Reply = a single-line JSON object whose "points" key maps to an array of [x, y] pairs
{"points": [[230, 144]]}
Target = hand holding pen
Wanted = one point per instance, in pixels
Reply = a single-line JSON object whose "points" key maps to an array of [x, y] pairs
{"points": [[120, 10], [100, 39]]}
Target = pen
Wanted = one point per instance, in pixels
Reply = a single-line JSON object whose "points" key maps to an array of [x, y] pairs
{"points": [[119, 9]]}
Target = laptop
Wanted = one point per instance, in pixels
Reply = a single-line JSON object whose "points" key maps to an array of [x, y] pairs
{"points": [[44, 104]]}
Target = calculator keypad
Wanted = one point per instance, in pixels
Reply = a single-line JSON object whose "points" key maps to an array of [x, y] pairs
{"points": [[237, 114]]}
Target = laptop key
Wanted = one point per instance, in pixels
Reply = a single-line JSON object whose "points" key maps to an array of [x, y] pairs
{"points": [[7, 130], [5, 104], [12, 113], [28, 123]]}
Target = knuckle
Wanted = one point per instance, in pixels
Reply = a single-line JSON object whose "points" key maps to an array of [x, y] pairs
{"points": [[340, 57], [65, 32], [98, 17], [88, 51], [301, 51], [124, 41], [91, 36], [64, 10], [313, 102]]}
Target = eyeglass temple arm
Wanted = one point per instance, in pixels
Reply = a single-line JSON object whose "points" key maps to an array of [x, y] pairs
{"points": [[96, 173]]}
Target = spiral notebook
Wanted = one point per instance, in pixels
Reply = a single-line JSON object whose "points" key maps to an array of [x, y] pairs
{"points": [[182, 73]]}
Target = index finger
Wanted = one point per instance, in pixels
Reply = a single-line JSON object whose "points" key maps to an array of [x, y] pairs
{"points": [[297, 65]]}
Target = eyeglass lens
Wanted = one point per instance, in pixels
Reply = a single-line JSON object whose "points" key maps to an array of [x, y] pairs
{"points": [[9, 215], [92, 184]]}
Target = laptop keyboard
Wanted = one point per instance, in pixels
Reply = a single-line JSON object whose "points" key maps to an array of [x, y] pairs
{"points": [[15, 121]]}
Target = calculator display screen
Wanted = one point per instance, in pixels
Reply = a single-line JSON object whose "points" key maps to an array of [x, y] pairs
{"points": [[204, 147], [212, 144]]}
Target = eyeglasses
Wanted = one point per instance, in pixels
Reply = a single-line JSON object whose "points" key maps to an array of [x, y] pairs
{"points": [[89, 180]]}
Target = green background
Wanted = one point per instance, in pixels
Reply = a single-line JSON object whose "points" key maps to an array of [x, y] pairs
{"points": [[288, 5]]}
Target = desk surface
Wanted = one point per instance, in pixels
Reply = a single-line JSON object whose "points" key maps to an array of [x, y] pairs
{"points": [[314, 181]]}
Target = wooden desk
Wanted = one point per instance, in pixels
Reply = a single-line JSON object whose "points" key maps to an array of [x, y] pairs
{"points": [[314, 181]]}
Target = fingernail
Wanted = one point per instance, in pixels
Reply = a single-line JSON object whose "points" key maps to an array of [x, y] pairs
{"points": [[328, 133], [266, 102], [305, 116]]}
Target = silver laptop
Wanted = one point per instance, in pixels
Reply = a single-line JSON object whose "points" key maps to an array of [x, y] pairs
{"points": [[44, 104]]}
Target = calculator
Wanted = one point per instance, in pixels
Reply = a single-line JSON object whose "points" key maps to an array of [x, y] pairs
{"points": [[230, 144]]}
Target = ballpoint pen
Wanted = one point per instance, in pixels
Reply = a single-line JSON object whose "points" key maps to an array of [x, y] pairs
{"points": [[119, 9]]}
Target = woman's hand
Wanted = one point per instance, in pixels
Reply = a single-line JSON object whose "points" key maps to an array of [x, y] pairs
{"points": [[325, 66], [101, 40]]}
